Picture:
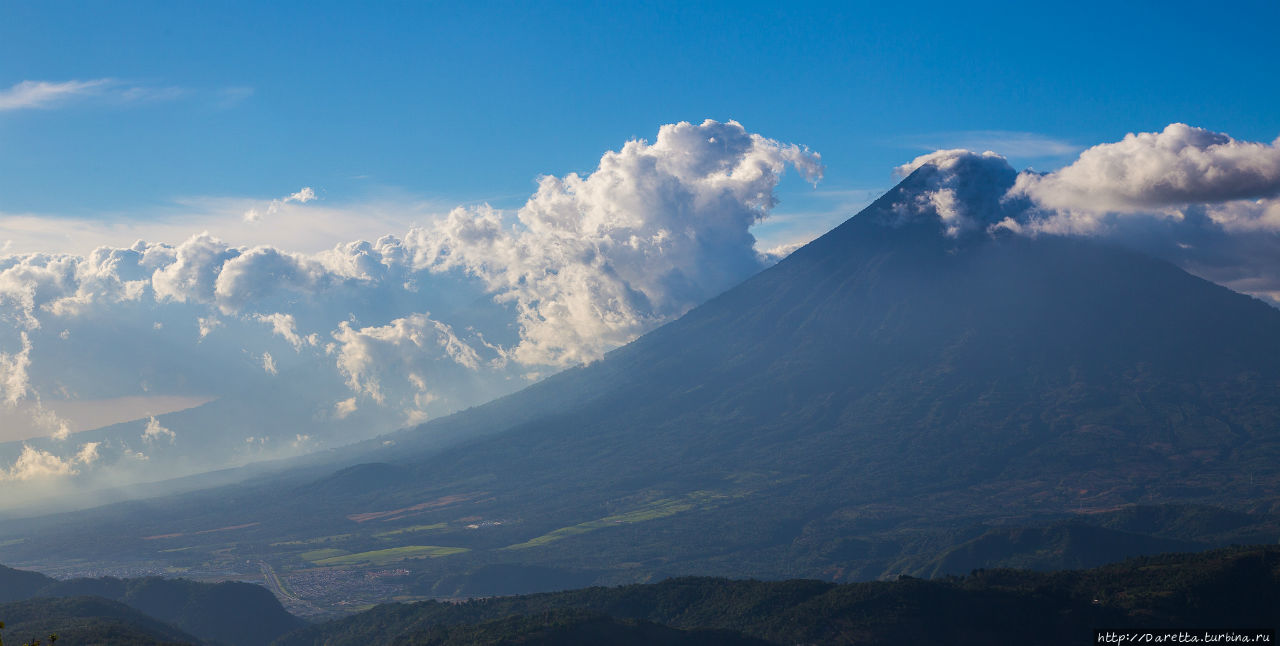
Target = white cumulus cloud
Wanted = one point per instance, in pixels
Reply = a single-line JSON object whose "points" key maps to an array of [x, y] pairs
{"points": [[13, 372], [284, 325], [155, 432], [961, 188], [370, 357], [443, 313], [301, 197], [38, 464], [345, 408], [88, 453], [591, 262], [1155, 170]]}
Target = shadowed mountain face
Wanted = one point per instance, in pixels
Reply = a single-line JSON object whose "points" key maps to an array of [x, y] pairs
{"points": [[885, 380], [886, 361]]}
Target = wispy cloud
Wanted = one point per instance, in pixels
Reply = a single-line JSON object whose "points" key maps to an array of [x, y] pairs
{"points": [[230, 97], [1010, 143], [147, 94], [291, 222], [301, 197], [47, 94]]}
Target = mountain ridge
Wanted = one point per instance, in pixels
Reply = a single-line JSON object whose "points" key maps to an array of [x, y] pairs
{"points": [[1230, 587], [232, 612], [841, 414]]}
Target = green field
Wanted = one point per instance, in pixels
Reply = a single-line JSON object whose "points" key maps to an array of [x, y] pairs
{"points": [[657, 509], [408, 530], [321, 554], [313, 541], [383, 557]]}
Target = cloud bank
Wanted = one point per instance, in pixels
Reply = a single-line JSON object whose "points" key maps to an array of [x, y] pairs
{"points": [[1154, 170], [376, 334], [311, 348]]}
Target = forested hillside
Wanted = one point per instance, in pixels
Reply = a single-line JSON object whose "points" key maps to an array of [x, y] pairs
{"points": [[243, 614], [1237, 588]]}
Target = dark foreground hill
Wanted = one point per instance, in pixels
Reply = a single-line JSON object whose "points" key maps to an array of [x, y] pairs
{"points": [[82, 621], [884, 394], [1238, 588], [235, 613]]}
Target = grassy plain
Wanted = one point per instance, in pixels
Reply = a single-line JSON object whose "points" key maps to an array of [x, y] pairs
{"points": [[392, 555]]}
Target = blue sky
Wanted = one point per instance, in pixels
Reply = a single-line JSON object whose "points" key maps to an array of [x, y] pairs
{"points": [[468, 102]]}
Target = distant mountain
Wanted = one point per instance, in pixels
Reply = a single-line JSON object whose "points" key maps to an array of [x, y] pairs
{"points": [[882, 395], [1230, 588]]}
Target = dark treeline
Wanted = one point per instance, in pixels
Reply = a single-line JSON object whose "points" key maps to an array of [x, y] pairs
{"points": [[1229, 588]]}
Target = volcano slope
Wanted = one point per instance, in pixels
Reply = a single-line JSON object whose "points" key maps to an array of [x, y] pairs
{"points": [[885, 393]]}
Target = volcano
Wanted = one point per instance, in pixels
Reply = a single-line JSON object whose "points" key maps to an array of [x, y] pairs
{"points": [[893, 389]]}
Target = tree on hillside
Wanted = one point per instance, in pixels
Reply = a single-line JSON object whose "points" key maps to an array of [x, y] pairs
{"points": [[53, 638]]}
